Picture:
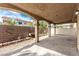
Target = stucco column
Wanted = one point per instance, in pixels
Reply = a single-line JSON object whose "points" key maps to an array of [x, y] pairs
{"points": [[54, 29], [49, 29], [36, 30], [78, 32]]}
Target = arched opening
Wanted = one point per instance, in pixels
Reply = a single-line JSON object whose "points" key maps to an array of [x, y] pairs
{"points": [[8, 16], [14, 25]]}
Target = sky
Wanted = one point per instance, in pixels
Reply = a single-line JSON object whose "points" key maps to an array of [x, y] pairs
{"points": [[12, 14]]}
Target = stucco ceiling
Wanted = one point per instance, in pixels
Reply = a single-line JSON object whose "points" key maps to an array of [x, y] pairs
{"points": [[53, 12]]}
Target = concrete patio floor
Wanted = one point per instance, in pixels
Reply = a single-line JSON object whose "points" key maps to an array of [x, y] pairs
{"points": [[59, 45]]}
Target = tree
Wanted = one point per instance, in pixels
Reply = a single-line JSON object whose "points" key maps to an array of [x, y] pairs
{"points": [[11, 22], [42, 26]]}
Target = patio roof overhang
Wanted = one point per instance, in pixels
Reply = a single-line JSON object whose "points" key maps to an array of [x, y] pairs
{"points": [[56, 13]]}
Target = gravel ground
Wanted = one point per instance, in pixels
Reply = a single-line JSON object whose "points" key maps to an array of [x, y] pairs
{"points": [[16, 46]]}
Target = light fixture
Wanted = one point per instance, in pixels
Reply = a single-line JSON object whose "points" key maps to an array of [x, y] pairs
{"points": [[77, 12]]}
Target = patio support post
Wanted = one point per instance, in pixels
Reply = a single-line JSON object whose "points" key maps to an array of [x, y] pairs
{"points": [[78, 32], [49, 29], [54, 29], [37, 30]]}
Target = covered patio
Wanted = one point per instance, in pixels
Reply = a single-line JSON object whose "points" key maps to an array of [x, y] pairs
{"points": [[54, 14]]}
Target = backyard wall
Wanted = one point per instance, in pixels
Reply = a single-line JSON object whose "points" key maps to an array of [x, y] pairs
{"points": [[10, 33], [65, 31]]}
